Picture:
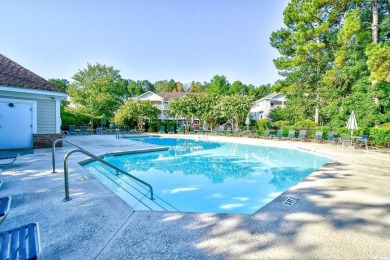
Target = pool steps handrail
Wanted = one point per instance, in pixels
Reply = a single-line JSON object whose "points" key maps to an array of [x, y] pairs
{"points": [[156, 198], [53, 150], [120, 186], [66, 179]]}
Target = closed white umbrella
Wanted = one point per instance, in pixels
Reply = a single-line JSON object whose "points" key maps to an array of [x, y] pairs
{"points": [[352, 124], [247, 121]]}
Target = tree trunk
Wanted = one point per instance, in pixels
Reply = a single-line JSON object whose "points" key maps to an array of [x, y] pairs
{"points": [[374, 27], [374, 30]]}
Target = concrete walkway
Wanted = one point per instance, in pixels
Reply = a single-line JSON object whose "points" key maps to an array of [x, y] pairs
{"points": [[343, 212]]}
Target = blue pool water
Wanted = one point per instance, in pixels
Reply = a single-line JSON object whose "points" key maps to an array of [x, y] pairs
{"points": [[203, 176]]}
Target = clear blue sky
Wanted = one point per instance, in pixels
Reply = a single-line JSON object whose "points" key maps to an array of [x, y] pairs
{"points": [[183, 40]]}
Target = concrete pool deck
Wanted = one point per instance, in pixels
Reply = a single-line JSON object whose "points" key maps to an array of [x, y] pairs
{"points": [[343, 211]]}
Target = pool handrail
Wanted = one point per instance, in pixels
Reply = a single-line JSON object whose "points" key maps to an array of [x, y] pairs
{"points": [[67, 197], [53, 149]]}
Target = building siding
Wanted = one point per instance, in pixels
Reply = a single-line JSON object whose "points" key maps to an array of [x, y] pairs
{"points": [[46, 115]]}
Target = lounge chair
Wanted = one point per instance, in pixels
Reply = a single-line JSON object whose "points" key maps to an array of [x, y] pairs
{"points": [[5, 204], [21, 243], [219, 131], [228, 132], [237, 132], [317, 137], [253, 133], [365, 142], [332, 138], [171, 130], [192, 130], [162, 130], [200, 131], [290, 136], [83, 130], [8, 158], [266, 135], [72, 130], [181, 130], [346, 140], [278, 136], [301, 136]]}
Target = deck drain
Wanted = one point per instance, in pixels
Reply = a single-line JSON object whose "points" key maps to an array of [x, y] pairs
{"points": [[82, 178], [289, 201]]}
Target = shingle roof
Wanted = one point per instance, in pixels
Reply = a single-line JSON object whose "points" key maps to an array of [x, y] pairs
{"points": [[14, 75], [271, 96], [170, 95]]}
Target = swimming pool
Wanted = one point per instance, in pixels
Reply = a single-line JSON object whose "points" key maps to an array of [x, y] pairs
{"points": [[203, 176]]}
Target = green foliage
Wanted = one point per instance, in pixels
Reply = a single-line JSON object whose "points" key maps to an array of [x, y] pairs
{"points": [[139, 111], [98, 90], [68, 118], [171, 123], [278, 114], [305, 124], [280, 124], [234, 106], [379, 61], [219, 85], [153, 126], [331, 64], [381, 135], [62, 84], [262, 125], [286, 129]]}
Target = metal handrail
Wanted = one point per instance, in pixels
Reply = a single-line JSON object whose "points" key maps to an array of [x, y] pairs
{"points": [[67, 197], [53, 149]]}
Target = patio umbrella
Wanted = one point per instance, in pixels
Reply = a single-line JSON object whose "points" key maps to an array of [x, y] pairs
{"points": [[103, 121], [247, 121], [352, 124]]}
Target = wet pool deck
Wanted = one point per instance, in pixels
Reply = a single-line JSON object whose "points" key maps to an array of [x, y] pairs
{"points": [[343, 212]]}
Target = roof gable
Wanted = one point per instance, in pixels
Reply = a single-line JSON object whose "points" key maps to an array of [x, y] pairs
{"points": [[14, 75], [149, 95], [269, 97]]}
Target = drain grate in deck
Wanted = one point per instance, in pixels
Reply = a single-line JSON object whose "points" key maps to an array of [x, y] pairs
{"points": [[289, 201]]}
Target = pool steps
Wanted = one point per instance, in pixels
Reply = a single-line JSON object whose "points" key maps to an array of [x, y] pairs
{"points": [[133, 193]]}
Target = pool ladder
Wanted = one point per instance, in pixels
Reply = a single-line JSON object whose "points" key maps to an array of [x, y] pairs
{"points": [[81, 150]]}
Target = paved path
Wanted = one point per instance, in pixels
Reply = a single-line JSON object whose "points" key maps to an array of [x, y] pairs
{"points": [[343, 211]]}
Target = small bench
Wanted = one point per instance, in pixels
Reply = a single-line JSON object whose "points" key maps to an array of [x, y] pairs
{"points": [[8, 157], [21, 243], [5, 204]]}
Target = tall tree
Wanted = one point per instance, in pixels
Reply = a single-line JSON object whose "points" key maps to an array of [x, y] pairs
{"points": [[196, 87], [218, 85], [306, 45], [238, 88], [98, 90], [62, 84]]}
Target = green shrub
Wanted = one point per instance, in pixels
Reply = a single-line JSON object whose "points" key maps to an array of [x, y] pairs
{"points": [[262, 125], [152, 127], [305, 124], [280, 124], [381, 134], [68, 118], [286, 129]]}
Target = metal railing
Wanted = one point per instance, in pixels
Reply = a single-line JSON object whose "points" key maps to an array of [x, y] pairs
{"points": [[53, 149], [67, 197]]}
